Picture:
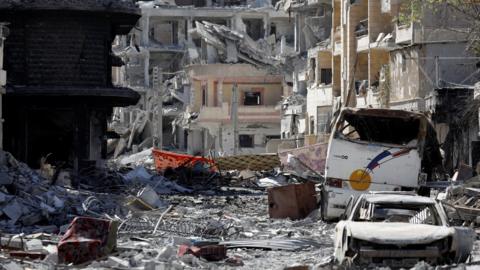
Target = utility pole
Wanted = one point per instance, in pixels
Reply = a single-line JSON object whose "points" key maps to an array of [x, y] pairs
{"points": [[157, 87], [234, 118]]}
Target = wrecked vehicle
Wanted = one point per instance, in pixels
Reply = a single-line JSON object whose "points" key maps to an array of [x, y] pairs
{"points": [[399, 230], [377, 150]]}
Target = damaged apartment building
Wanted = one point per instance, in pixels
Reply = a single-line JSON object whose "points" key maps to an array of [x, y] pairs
{"points": [[210, 75], [59, 92], [375, 59], [313, 23]]}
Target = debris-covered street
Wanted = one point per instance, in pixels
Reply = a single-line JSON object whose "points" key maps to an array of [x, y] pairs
{"points": [[158, 224], [239, 134]]}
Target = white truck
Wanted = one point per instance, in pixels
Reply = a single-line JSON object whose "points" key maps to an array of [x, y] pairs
{"points": [[377, 150]]}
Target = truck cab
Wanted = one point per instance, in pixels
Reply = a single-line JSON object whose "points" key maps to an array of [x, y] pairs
{"points": [[377, 150]]}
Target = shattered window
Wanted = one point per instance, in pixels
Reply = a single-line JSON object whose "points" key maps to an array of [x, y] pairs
{"points": [[402, 213], [246, 141], [380, 129], [252, 98]]}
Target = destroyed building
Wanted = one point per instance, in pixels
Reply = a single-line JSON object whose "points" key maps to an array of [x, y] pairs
{"points": [[374, 59], [192, 57], [313, 21], [59, 91]]}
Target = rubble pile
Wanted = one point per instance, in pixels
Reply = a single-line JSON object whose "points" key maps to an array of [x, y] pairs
{"points": [[30, 203], [230, 225], [235, 45], [465, 199], [25, 198], [241, 219]]}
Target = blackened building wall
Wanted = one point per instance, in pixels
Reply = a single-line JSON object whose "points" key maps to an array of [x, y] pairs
{"points": [[59, 90]]}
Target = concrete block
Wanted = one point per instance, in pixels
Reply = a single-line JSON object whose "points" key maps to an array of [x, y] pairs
{"points": [[148, 195], [293, 201], [34, 245], [13, 210], [118, 262], [5, 179]]}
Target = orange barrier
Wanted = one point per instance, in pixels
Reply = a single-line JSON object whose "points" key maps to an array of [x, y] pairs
{"points": [[164, 160]]}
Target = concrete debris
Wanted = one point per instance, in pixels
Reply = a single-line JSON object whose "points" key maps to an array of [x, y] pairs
{"points": [[233, 45], [220, 223], [464, 202]]}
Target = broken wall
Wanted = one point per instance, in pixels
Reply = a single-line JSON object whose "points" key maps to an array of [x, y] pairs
{"points": [[261, 132], [413, 70]]}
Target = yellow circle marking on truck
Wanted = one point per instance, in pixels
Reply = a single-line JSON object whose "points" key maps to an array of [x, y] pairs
{"points": [[360, 180]]}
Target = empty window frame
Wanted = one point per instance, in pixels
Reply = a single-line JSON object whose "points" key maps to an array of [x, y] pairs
{"points": [[246, 141], [326, 76], [272, 137], [204, 95], [252, 98]]}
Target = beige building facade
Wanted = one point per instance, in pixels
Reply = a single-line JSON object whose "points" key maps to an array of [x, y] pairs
{"points": [[373, 60]]}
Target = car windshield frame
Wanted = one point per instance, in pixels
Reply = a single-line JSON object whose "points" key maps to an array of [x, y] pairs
{"points": [[364, 204]]}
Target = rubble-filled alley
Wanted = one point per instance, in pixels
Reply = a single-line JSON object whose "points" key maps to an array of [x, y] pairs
{"points": [[239, 134]]}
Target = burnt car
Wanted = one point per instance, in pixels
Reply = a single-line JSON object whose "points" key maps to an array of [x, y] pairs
{"points": [[399, 230]]}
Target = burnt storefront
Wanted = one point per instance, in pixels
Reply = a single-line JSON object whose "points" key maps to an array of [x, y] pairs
{"points": [[58, 57]]}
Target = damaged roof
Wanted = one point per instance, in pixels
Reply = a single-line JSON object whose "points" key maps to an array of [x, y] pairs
{"points": [[116, 6], [383, 113]]}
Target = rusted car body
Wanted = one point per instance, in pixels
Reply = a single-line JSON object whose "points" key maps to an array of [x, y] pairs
{"points": [[399, 230]]}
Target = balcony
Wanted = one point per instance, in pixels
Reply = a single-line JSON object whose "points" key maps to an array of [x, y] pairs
{"points": [[263, 113], [361, 32], [318, 2], [363, 43], [404, 34], [337, 48], [370, 100], [319, 96]]}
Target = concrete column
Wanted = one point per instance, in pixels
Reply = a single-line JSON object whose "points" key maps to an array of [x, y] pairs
{"points": [[181, 32], [146, 30], [189, 26], [3, 78], [146, 69], [297, 33], [266, 26]]}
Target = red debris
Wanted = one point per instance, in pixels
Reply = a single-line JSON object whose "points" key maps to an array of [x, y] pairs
{"points": [[87, 239], [209, 252]]}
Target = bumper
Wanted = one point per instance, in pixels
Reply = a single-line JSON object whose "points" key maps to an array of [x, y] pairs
{"points": [[385, 253]]}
